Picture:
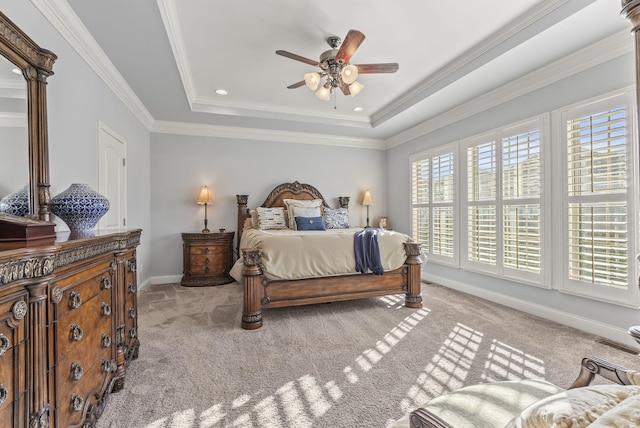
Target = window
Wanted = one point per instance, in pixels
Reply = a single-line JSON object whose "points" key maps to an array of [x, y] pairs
{"points": [[555, 212], [600, 231], [433, 197], [504, 199]]}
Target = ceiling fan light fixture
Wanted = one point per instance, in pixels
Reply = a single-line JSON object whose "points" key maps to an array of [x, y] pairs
{"points": [[349, 74], [324, 93], [355, 88], [312, 80]]}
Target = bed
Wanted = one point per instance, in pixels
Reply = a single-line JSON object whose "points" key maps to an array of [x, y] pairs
{"points": [[304, 278]]}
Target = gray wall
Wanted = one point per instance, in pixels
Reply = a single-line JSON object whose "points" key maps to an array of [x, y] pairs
{"points": [[579, 312], [77, 100], [180, 165]]}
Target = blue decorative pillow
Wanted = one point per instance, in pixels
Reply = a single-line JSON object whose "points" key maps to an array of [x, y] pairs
{"points": [[336, 218], [309, 223]]}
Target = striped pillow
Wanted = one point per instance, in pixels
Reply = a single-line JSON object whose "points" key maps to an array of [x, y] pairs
{"points": [[271, 218]]}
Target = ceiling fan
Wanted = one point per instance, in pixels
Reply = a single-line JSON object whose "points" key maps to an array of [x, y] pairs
{"points": [[334, 65]]}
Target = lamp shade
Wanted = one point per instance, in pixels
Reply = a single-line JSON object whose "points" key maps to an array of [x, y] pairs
{"points": [[355, 88], [205, 197], [324, 93], [366, 200], [349, 74], [312, 80]]}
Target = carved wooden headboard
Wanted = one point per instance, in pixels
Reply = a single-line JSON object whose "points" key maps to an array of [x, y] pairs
{"points": [[275, 198]]}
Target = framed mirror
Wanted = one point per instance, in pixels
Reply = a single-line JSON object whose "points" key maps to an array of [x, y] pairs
{"points": [[23, 118]]}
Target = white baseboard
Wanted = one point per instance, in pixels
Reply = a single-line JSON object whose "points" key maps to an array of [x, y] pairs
{"points": [[587, 325], [167, 279]]}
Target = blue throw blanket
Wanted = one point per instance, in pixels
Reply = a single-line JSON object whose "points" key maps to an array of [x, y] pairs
{"points": [[367, 251]]}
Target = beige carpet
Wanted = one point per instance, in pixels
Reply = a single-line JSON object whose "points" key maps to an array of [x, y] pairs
{"points": [[346, 364]]}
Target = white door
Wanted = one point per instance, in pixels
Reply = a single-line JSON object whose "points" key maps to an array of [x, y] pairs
{"points": [[112, 177]]}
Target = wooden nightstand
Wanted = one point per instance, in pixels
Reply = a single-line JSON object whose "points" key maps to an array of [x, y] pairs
{"points": [[207, 258]]}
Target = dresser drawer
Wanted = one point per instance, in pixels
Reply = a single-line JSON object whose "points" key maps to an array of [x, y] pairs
{"points": [[74, 293], [73, 371], [13, 311], [13, 413], [81, 331], [82, 393]]}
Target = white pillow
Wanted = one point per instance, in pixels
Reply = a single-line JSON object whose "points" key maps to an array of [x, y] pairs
{"points": [[303, 203]]}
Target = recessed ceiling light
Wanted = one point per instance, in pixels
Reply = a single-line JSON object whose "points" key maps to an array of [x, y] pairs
{"points": [[16, 70], [221, 92], [358, 109]]}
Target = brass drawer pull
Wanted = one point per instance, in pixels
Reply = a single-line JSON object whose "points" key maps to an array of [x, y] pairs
{"points": [[106, 283], [132, 313], [3, 394], [4, 343], [75, 300], [206, 270], [76, 371], [133, 333], [106, 309], [76, 402], [76, 332], [132, 288], [108, 366], [206, 250], [206, 261], [106, 340]]}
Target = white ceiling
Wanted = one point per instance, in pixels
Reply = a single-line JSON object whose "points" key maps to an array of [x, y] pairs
{"points": [[174, 54]]}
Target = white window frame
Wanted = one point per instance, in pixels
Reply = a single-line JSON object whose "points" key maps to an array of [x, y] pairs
{"points": [[542, 278], [629, 296], [428, 249]]}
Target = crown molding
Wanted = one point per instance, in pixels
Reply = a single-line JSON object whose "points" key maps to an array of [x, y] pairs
{"points": [[616, 45], [67, 23], [208, 105], [452, 70], [218, 131], [171, 22], [13, 120]]}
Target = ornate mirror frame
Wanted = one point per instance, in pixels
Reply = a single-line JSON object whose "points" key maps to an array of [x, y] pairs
{"points": [[36, 65]]}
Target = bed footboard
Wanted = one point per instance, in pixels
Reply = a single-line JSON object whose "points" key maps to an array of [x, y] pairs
{"points": [[260, 292]]}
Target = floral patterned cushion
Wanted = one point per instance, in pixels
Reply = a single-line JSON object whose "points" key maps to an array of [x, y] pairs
{"points": [[336, 218]]}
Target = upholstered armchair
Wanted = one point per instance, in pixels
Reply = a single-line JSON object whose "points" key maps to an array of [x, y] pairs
{"points": [[536, 403]]}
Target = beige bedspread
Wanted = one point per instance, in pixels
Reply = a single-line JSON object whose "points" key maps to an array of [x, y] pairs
{"points": [[292, 254]]}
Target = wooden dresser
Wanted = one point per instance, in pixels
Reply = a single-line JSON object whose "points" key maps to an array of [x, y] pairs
{"points": [[68, 328], [207, 258]]}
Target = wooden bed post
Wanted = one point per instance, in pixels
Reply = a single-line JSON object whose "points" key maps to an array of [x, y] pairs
{"points": [[413, 298], [242, 216], [253, 291]]}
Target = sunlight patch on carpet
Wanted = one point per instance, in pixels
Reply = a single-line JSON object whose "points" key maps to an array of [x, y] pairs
{"points": [[507, 362], [212, 416], [301, 402], [447, 369]]}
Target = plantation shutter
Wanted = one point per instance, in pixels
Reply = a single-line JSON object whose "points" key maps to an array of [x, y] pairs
{"points": [[521, 216], [481, 200], [597, 208]]}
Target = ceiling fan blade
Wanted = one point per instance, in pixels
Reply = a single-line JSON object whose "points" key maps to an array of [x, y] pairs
{"points": [[296, 85], [389, 67], [345, 88], [298, 58], [349, 46]]}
